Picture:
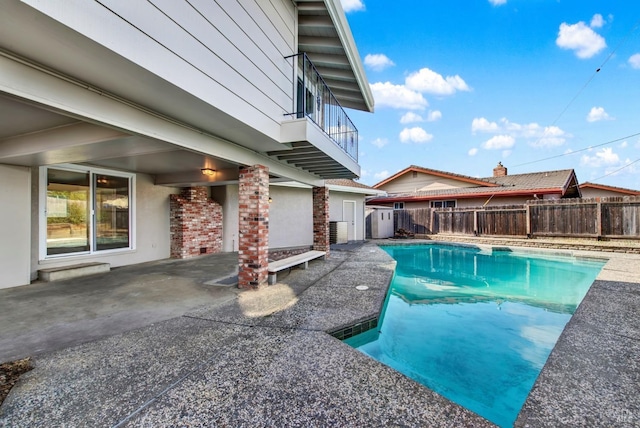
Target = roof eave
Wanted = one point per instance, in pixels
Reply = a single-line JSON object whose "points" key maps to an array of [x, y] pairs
{"points": [[334, 8], [410, 198], [350, 189]]}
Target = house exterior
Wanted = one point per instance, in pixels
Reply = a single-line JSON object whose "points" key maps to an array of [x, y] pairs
{"points": [[595, 190], [418, 187], [139, 130]]}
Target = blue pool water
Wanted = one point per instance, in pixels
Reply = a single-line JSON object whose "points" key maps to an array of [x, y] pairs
{"points": [[476, 326]]}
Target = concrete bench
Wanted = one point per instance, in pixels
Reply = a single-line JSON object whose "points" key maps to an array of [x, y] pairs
{"points": [[74, 271], [299, 259]]}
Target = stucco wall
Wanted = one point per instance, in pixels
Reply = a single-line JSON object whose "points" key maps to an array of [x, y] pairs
{"points": [[15, 227], [151, 230], [336, 200], [227, 196], [290, 217], [588, 192], [475, 202]]}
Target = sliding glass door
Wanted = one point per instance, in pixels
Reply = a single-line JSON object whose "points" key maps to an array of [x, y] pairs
{"points": [[87, 211], [68, 212], [111, 212]]}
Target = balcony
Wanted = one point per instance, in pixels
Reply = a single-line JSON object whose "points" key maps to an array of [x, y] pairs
{"points": [[314, 102]]}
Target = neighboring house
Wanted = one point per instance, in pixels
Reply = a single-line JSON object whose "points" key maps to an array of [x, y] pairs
{"points": [[132, 131], [594, 190], [418, 187]]}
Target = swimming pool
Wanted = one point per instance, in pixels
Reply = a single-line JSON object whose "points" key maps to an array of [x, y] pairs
{"points": [[476, 325]]}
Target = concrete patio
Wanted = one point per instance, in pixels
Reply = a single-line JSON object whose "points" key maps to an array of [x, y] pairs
{"points": [[229, 358]]}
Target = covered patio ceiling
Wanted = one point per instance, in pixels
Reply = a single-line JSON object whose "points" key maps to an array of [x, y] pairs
{"points": [[33, 136]]}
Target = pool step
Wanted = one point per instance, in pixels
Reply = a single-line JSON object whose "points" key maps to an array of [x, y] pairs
{"points": [[73, 271]]}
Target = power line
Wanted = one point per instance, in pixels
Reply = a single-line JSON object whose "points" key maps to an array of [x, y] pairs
{"points": [[577, 151], [617, 170], [624, 39]]}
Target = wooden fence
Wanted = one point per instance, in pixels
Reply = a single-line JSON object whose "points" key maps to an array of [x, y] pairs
{"points": [[615, 217]]}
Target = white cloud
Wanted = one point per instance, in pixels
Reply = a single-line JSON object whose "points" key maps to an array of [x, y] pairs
{"points": [[427, 80], [603, 157], [397, 96], [380, 142], [410, 117], [364, 173], [415, 135], [498, 2], [352, 5], [624, 145], [381, 175], [634, 61], [550, 136], [597, 113], [483, 125], [581, 39], [434, 115], [378, 62], [472, 152], [499, 142], [597, 21]]}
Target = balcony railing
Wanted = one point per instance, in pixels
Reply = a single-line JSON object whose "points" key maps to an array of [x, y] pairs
{"points": [[314, 99]]}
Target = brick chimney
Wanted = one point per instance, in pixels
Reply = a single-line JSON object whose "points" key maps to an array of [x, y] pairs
{"points": [[499, 171]]}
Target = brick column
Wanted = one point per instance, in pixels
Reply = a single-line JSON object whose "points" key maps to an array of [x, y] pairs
{"points": [[321, 219], [195, 224], [253, 227]]}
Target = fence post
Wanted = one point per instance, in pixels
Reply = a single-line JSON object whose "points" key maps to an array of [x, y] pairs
{"points": [[431, 219], [528, 220], [598, 217], [475, 222]]}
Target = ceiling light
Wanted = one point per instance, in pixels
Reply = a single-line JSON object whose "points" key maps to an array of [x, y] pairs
{"points": [[208, 171]]}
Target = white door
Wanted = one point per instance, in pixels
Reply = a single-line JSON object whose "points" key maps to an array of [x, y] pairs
{"points": [[349, 215]]}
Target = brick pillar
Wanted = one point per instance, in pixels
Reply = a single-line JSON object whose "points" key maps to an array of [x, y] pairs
{"points": [[253, 227], [195, 224], [321, 219]]}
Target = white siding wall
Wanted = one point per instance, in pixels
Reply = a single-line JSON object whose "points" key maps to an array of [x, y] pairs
{"points": [[407, 183], [151, 229], [15, 225], [229, 53], [290, 217]]}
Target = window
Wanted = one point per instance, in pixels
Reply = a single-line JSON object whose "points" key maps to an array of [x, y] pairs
{"points": [[85, 210], [398, 205], [443, 204]]}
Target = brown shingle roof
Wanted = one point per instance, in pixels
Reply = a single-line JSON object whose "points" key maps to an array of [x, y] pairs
{"points": [[534, 180]]}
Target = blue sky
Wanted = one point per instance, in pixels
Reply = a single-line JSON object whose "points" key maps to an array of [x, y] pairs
{"points": [[462, 84]]}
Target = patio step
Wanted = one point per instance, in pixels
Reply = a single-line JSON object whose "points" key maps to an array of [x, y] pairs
{"points": [[73, 271]]}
